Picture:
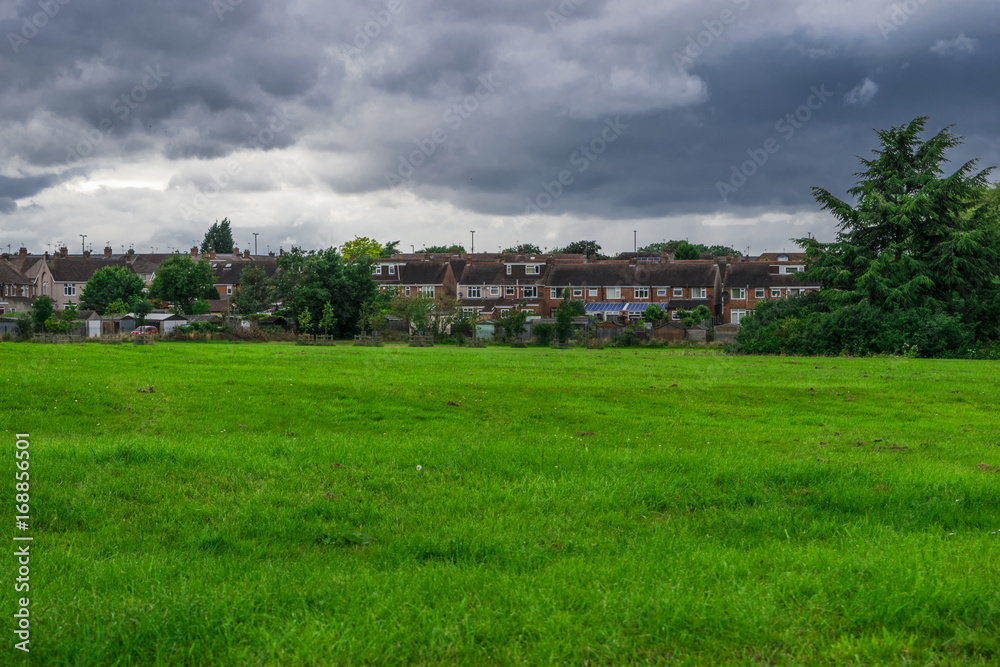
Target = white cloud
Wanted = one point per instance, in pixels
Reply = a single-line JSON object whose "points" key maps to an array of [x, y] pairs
{"points": [[862, 94], [959, 46]]}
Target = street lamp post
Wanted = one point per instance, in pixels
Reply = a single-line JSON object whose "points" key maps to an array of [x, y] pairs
{"points": [[83, 243], [255, 242], [473, 240], [635, 242]]}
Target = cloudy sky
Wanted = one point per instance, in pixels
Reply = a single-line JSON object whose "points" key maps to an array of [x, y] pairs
{"points": [[312, 122]]}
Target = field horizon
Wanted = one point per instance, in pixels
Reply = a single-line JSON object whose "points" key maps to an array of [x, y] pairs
{"points": [[266, 504]]}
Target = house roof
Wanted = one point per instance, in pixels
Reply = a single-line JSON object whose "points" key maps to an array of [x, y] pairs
{"points": [[693, 273], [416, 273], [232, 275], [758, 274], [80, 269], [11, 276]]}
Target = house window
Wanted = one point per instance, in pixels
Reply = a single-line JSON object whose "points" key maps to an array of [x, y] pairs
{"points": [[378, 270], [614, 292], [392, 269], [792, 269], [675, 315], [494, 291], [554, 293], [758, 293], [592, 291], [641, 292], [736, 315], [229, 290], [661, 291], [407, 291], [24, 291], [775, 293], [510, 290], [532, 269], [475, 292], [509, 269], [69, 289], [577, 292], [68, 304], [427, 290], [699, 292], [530, 292], [739, 293], [678, 292]]}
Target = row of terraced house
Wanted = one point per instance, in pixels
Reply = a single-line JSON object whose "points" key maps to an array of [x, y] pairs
{"points": [[612, 290], [618, 289]]}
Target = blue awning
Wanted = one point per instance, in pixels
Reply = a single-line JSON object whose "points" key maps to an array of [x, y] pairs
{"points": [[641, 307], [604, 307]]}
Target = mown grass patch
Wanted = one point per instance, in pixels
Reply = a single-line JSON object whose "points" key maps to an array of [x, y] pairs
{"points": [[262, 504]]}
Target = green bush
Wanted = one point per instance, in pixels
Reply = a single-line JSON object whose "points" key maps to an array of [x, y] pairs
{"points": [[543, 333]]}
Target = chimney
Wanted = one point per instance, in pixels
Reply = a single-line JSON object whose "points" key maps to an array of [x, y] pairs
{"points": [[592, 257], [246, 254], [131, 252], [63, 251], [281, 251], [236, 251], [194, 251], [86, 253], [22, 252], [211, 255], [270, 254], [46, 254], [107, 251]]}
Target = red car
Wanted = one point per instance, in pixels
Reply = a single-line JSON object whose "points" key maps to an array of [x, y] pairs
{"points": [[145, 331]]}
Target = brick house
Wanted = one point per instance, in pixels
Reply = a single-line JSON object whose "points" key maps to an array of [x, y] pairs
{"points": [[747, 284]]}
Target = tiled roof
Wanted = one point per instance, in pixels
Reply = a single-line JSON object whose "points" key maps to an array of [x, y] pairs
{"points": [[80, 269], [11, 276], [758, 274]]}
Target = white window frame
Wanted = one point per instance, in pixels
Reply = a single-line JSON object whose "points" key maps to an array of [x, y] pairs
{"points": [[661, 291], [699, 292], [775, 292], [474, 292], [640, 293], [675, 315], [678, 293], [229, 290], [613, 292], [378, 269], [407, 291], [427, 290], [510, 269], [392, 269], [510, 290], [736, 315], [532, 269], [758, 293], [494, 290], [738, 293], [69, 289], [577, 292], [554, 293], [593, 291], [530, 292]]}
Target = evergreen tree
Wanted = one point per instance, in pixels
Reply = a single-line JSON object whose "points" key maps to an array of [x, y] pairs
{"points": [[218, 238]]}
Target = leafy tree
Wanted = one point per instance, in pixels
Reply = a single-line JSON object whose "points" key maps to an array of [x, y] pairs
{"points": [[389, 249], [691, 318], [586, 248], [218, 238], [685, 250], [201, 307], [109, 284], [524, 249], [361, 246], [64, 321], [374, 312], [41, 311], [653, 314], [453, 249], [543, 333], [915, 237], [463, 323], [305, 321], [309, 280], [140, 307], [253, 293], [328, 318], [511, 323], [116, 307], [565, 314], [671, 247], [24, 327], [182, 282]]}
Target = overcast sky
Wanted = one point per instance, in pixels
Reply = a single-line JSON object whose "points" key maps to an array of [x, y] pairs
{"points": [[312, 122]]}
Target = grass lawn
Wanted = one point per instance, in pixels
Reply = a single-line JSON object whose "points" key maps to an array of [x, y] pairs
{"points": [[270, 504]]}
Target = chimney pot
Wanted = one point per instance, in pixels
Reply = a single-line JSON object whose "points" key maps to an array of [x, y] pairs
{"points": [[22, 252], [194, 251], [107, 251], [246, 254], [63, 251]]}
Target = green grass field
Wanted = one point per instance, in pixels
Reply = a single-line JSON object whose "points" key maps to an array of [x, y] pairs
{"points": [[282, 505]]}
